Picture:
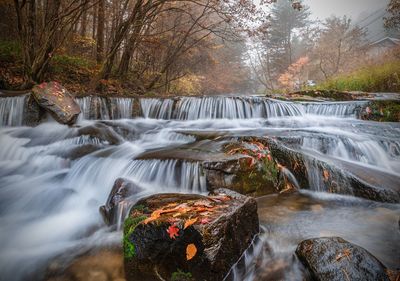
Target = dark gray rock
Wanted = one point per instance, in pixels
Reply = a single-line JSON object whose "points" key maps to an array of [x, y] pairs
{"points": [[121, 191], [225, 224], [335, 259]]}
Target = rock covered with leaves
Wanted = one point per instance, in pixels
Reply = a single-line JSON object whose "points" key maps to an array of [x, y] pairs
{"points": [[335, 259], [55, 99], [198, 237], [249, 169]]}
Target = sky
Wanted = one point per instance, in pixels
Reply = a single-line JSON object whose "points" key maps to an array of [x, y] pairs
{"points": [[367, 14], [354, 8]]}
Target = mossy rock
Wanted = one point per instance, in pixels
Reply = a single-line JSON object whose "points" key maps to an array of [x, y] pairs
{"points": [[382, 111], [188, 236]]}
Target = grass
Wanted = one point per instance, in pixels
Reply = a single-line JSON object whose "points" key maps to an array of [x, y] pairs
{"points": [[374, 78], [10, 51]]}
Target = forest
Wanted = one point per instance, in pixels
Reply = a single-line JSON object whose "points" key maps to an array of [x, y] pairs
{"points": [[185, 47]]}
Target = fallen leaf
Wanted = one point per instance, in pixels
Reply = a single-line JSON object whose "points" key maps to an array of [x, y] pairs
{"points": [[204, 221], [326, 175], [191, 251], [173, 232], [155, 215], [189, 222]]}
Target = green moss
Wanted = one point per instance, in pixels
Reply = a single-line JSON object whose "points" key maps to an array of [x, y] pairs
{"points": [[261, 179], [129, 227], [384, 111], [181, 276]]}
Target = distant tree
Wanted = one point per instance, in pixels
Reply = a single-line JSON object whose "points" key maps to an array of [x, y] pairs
{"points": [[339, 46], [393, 21], [283, 22], [282, 43], [295, 75]]}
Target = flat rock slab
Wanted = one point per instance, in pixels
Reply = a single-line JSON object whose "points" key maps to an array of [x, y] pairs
{"points": [[335, 259], [187, 235], [57, 101]]}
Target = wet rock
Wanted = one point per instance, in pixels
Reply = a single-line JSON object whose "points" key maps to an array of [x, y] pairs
{"points": [[335, 259], [335, 176], [199, 237], [247, 168], [102, 132], [33, 113], [121, 191], [96, 265], [57, 101]]}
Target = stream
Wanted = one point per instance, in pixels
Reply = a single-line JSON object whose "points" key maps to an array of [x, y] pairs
{"points": [[54, 178]]}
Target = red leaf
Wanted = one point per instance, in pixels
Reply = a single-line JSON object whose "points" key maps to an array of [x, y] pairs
{"points": [[173, 231]]}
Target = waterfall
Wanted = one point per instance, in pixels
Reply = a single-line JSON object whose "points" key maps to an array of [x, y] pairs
{"points": [[157, 108], [187, 108], [121, 108], [170, 175], [338, 109], [12, 111], [105, 108]]}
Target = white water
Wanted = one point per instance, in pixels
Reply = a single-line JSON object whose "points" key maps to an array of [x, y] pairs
{"points": [[49, 203], [12, 111]]}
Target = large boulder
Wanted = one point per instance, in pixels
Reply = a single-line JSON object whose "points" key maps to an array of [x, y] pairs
{"points": [[57, 101], [335, 259], [188, 236], [120, 193]]}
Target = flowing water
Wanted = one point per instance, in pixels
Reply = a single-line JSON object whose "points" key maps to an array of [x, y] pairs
{"points": [[54, 177]]}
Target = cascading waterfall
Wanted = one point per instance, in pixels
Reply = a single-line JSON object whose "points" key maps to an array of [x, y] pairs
{"points": [[163, 175], [94, 107], [157, 108], [338, 109], [121, 108], [240, 107], [361, 150], [12, 111], [187, 108]]}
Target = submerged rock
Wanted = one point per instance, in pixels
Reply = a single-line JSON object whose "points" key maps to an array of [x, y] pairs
{"points": [[122, 190], [96, 265], [101, 131], [335, 259], [199, 237], [57, 101]]}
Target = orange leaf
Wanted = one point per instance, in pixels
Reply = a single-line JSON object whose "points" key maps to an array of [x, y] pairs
{"points": [[326, 175], [173, 231], [189, 222], [191, 251], [155, 215]]}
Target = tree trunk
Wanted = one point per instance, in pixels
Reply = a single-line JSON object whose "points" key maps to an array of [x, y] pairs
{"points": [[100, 31], [84, 22]]}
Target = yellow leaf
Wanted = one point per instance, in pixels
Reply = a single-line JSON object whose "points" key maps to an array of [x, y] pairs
{"points": [[191, 251], [155, 215], [189, 222]]}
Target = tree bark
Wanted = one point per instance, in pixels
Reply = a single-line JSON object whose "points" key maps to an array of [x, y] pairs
{"points": [[100, 31]]}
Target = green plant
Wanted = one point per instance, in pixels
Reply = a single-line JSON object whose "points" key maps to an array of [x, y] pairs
{"points": [[373, 78], [129, 227], [10, 51], [179, 275]]}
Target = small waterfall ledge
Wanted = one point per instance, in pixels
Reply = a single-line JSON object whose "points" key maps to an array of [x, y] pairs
{"points": [[12, 109]]}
